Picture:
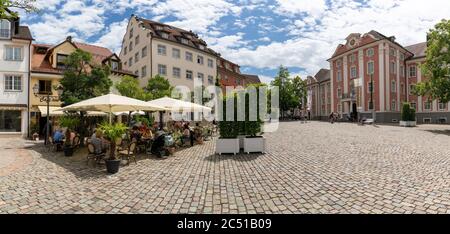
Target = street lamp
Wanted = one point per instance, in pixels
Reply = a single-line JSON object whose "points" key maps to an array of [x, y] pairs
{"points": [[47, 98]]}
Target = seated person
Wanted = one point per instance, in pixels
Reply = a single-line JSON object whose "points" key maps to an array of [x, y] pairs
{"points": [[187, 135], [98, 142], [198, 133], [136, 134], [58, 136]]}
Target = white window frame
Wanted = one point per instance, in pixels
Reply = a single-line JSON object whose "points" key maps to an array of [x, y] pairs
{"points": [[173, 53], [162, 70], [353, 72], [444, 106], [414, 67], [393, 86], [189, 74], [189, 58], [6, 29], [339, 76], [200, 60], [162, 50], [425, 105], [15, 56], [144, 71], [210, 63], [201, 76], [13, 87], [373, 68], [174, 74]]}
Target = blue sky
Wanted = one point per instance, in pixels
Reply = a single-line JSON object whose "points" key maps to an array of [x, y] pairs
{"points": [[259, 35]]}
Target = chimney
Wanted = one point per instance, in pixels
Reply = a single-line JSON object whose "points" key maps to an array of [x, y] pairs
{"points": [[16, 25], [69, 39]]}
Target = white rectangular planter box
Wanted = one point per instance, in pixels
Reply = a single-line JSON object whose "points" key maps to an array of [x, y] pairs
{"points": [[241, 141], [227, 146], [408, 123], [255, 145]]}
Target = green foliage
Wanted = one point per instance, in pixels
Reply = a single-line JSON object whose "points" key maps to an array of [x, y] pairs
{"points": [[69, 121], [113, 132], [248, 127], [27, 5], [158, 87], [408, 113], [130, 87], [437, 65], [292, 91], [82, 79], [144, 119]]}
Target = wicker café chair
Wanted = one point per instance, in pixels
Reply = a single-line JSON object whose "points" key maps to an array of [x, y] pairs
{"points": [[129, 153], [93, 156]]}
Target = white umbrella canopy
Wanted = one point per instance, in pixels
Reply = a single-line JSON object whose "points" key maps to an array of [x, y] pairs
{"points": [[179, 105], [113, 103]]}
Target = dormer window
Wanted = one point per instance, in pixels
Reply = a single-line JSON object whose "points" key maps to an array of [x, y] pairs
{"points": [[114, 65], [202, 47], [159, 27], [165, 35], [5, 28], [61, 61], [352, 42], [184, 41]]}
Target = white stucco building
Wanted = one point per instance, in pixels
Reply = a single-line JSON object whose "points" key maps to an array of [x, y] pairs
{"points": [[15, 42]]}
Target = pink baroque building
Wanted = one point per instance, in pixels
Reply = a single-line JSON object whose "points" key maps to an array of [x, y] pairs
{"points": [[375, 67]]}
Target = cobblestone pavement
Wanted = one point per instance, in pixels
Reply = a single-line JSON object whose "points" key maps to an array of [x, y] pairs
{"points": [[309, 168]]}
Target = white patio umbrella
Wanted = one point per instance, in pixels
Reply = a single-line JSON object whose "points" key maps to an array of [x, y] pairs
{"points": [[179, 105], [111, 103]]}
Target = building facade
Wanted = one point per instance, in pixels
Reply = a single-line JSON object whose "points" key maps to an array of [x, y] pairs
{"points": [[319, 95], [150, 48], [15, 42], [47, 68], [229, 74], [375, 68]]}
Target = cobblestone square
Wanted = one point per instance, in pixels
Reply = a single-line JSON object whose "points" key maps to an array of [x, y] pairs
{"points": [[309, 168]]}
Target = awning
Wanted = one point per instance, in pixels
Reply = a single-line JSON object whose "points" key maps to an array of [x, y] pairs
{"points": [[54, 112]]}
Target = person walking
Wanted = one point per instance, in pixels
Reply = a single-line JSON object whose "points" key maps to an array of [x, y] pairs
{"points": [[331, 117]]}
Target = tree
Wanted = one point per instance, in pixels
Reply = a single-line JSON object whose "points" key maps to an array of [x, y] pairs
{"points": [[129, 87], [5, 5], [158, 87], [82, 79], [288, 98], [299, 90], [437, 65]]}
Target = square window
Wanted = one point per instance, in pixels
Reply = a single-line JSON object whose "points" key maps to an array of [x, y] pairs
{"points": [[13, 83], [176, 72], [161, 49], [176, 53], [189, 75], [162, 69], [200, 59]]}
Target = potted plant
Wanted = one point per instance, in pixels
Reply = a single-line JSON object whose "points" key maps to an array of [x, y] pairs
{"points": [[228, 141], [254, 141], [408, 116], [113, 132]]}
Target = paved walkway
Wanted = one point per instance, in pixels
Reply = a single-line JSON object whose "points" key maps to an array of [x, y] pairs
{"points": [[309, 168]]}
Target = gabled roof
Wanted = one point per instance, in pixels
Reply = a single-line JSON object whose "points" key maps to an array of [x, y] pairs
{"points": [[323, 75], [24, 34], [175, 34], [252, 78], [419, 50], [41, 63]]}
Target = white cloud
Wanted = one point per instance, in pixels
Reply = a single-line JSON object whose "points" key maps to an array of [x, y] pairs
{"points": [[113, 38]]}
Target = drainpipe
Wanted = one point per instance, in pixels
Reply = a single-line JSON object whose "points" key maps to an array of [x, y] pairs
{"points": [[28, 91]]}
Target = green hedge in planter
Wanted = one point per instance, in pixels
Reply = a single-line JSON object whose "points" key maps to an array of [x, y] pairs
{"points": [[408, 113]]}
